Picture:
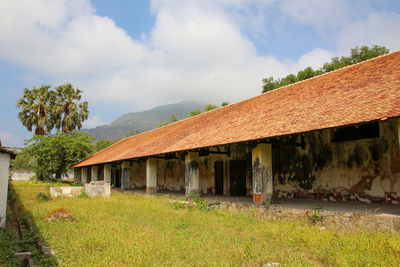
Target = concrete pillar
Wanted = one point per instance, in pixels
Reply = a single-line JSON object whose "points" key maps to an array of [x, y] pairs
{"points": [[4, 168], [84, 177], [151, 176], [107, 173], [262, 173], [94, 173], [126, 176], [192, 172], [77, 175]]}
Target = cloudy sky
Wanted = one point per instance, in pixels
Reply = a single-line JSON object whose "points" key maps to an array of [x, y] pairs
{"points": [[133, 55]]}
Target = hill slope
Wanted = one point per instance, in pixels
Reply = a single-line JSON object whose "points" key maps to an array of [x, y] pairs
{"points": [[142, 121]]}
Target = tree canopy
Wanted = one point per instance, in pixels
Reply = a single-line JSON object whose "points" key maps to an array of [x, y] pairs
{"points": [[68, 114], [45, 109], [357, 55], [55, 153], [36, 107], [102, 144]]}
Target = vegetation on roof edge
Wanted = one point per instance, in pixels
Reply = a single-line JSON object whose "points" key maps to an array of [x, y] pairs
{"points": [[357, 55]]}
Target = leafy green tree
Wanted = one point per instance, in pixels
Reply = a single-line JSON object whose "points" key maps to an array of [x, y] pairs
{"points": [[23, 161], [209, 107], [357, 55], [35, 108], [172, 119], [55, 153], [194, 112], [68, 113], [102, 144], [225, 103]]}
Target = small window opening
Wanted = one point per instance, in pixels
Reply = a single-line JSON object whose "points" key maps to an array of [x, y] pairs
{"points": [[362, 131]]}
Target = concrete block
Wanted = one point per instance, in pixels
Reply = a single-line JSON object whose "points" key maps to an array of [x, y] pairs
{"points": [[65, 191], [98, 188]]}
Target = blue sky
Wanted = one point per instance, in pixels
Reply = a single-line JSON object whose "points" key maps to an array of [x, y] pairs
{"points": [[133, 55]]}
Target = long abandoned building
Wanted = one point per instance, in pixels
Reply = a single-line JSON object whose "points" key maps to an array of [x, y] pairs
{"points": [[334, 137]]}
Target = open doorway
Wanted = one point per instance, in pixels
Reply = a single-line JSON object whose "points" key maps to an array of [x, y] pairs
{"points": [[219, 177], [237, 174], [117, 178]]}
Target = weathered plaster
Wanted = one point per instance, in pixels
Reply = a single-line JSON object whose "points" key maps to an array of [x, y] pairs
{"points": [[366, 168], [107, 173], [192, 172], [262, 173], [151, 175], [138, 175], [84, 175], [171, 175], [94, 173], [4, 168], [77, 175], [125, 176]]}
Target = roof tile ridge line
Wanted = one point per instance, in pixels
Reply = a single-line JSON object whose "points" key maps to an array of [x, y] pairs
{"points": [[333, 71]]}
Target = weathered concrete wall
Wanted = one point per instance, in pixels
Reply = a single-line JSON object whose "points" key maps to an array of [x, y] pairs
{"points": [[24, 175], [364, 169], [262, 173], [138, 175], [65, 191], [107, 173], [4, 167], [151, 175], [84, 175], [192, 174], [77, 175], [98, 188], [126, 176], [171, 175]]}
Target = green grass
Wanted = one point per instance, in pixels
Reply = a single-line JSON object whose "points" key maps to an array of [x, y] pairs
{"points": [[8, 247], [127, 230]]}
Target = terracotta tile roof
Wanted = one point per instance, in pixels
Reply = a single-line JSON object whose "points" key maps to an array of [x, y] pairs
{"points": [[362, 92]]}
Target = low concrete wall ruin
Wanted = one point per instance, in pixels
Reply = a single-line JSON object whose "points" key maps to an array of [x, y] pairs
{"points": [[24, 175], [65, 191], [98, 188], [345, 220]]}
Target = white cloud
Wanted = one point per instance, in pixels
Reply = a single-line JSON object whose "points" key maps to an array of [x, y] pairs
{"points": [[376, 29], [316, 12], [196, 50], [63, 38], [93, 121]]}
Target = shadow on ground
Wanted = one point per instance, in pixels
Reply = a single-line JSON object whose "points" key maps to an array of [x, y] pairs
{"points": [[28, 237]]}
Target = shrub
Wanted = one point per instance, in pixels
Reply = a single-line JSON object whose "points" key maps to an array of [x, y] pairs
{"points": [[83, 194], [42, 196]]}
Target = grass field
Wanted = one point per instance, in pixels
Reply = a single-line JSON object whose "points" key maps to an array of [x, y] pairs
{"points": [[128, 230]]}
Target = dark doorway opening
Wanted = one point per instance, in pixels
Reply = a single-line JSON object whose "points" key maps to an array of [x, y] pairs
{"points": [[219, 177], [117, 178], [237, 174]]}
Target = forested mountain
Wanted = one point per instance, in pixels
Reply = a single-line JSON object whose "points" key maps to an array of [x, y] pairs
{"points": [[142, 121]]}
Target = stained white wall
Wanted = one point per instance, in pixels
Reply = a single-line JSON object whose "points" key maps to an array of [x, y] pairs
{"points": [[4, 167]]}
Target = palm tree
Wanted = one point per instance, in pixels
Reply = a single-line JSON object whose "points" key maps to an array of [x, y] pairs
{"points": [[68, 114], [35, 108]]}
